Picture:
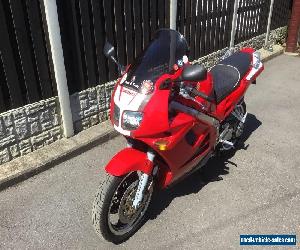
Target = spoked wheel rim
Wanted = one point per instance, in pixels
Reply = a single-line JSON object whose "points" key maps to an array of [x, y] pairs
{"points": [[122, 217]]}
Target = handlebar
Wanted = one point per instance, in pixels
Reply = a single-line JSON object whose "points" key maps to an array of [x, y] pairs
{"points": [[189, 89], [198, 93]]}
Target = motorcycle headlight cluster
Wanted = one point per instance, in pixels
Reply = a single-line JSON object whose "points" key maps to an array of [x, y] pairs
{"points": [[131, 119]]}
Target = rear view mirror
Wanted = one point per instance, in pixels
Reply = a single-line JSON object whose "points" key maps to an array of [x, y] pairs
{"points": [[109, 50], [194, 73]]}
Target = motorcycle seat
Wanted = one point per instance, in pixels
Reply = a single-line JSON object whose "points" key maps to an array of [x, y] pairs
{"points": [[228, 73]]}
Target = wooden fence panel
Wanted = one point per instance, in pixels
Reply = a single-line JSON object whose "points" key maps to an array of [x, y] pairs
{"points": [[187, 28], [40, 50], [137, 26], [25, 68], [98, 23], [10, 76], [24, 48], [146, 22], [120, 27], [129, 31], [3, 89], [281, 13], [154, 16], [206, 24], [127, 24], [193, 27], [87, 37], [252, 19]]}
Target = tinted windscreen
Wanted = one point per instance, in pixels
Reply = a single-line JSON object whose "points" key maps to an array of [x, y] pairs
{"points": [[167, 47]]}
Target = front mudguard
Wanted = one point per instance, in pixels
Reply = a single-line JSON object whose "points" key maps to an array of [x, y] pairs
{"points": [[129, 160]]}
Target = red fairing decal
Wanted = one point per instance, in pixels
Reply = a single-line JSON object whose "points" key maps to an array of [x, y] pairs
{"points": [[129, 160]]}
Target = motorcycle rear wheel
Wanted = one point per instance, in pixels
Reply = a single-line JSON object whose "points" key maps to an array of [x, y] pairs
{"points": [[113, 215], [239, 127]]}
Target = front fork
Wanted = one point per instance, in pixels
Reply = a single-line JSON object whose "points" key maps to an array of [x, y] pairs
{"points": [[143, 182]]}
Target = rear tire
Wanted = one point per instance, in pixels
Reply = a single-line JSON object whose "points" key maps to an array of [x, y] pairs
{"points": [[105, 205]]}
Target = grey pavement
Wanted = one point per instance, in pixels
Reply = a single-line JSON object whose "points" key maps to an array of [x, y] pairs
{"points": [[259, 193]]}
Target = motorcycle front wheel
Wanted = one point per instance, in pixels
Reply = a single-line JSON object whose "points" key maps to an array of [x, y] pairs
{"points": [[113, 215]]}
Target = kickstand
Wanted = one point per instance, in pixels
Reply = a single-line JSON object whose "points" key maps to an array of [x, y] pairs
{"points": [[232, 163]]}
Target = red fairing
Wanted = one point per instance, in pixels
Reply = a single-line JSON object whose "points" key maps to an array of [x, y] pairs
{"points": [[248, 50], [129, 160], [225, 107], [158, 106]]}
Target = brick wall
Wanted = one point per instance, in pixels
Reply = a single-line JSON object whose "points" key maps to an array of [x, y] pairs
{"points": [[294, 27]]}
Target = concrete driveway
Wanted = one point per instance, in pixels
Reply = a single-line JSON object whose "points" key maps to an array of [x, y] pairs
{"points": [[259, 193]]}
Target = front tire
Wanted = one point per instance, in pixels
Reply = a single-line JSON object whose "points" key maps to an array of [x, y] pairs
{"points": [[113, 217]]}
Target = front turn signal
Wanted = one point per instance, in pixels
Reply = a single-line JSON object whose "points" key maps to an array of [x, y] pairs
{"points": [[162, 144]]}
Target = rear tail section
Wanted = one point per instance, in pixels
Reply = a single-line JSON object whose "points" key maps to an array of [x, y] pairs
{"points": [[256, 65]]}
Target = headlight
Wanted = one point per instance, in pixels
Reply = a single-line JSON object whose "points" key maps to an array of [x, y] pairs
{"points": [[116, 115], [131, 120]]}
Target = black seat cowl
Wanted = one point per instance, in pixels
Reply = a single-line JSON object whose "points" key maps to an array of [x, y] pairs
{"points": [[228, 74], [240, 60]]}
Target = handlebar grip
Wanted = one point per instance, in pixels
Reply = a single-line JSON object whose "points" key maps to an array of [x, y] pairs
{"points": [[204, 96]]}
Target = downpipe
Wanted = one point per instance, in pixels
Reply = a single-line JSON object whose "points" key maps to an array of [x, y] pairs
{"points": [[143, 181]]}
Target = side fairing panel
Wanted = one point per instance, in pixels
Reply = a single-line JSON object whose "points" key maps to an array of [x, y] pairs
{"points": [[155, 118], [128, 160]]}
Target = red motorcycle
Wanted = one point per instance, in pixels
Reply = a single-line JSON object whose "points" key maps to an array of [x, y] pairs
{"points": [[175, 116]]}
